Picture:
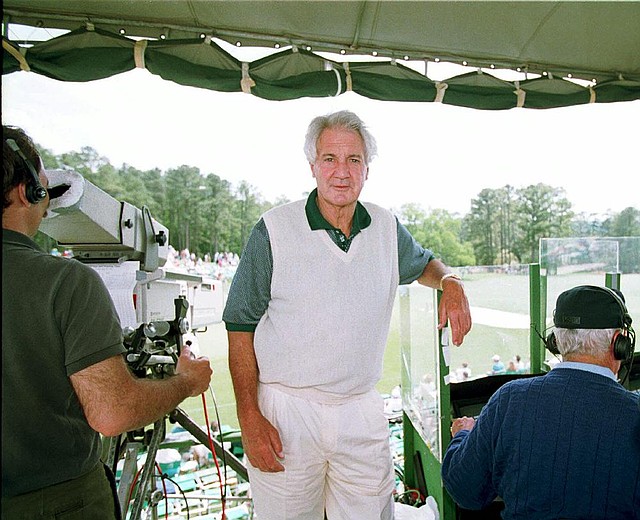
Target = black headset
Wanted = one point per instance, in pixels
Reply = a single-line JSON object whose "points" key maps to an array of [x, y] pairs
{"points": [[34, 190], [624, 343]]}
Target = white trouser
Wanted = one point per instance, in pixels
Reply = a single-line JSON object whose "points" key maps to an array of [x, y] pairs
{"points": [[336, 458]]}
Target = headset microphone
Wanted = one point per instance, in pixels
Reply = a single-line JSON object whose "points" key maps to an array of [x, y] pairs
{"points": [[549, 342], [34, 190]]}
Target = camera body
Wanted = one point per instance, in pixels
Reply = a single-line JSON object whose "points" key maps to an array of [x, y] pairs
{"points": [[157, 306]]}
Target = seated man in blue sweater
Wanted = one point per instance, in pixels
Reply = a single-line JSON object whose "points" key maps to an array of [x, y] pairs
{"points": [[565, 444]]}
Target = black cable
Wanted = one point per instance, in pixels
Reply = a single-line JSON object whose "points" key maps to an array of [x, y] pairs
{"points": [[224, 459], [184, 496], [628, 365]]}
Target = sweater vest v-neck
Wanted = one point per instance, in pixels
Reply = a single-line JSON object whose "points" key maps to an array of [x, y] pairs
{"points": [[326, 325]]}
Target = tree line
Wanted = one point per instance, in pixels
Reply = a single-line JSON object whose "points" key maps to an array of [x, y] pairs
{"points": [[205, 213]]}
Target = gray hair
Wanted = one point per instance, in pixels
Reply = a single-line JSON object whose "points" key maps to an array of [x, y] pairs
{"points": [[592, 342], [342, 119]]}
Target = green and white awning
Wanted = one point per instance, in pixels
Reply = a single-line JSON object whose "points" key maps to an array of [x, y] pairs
{"points": [[326, 48]]}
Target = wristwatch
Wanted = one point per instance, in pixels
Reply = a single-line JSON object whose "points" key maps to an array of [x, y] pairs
{"points": [[449, 275]]}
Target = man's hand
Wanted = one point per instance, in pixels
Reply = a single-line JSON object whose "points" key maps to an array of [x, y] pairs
{"points": [[454, 308], [195, 371], [261, 442], [462, 423]]}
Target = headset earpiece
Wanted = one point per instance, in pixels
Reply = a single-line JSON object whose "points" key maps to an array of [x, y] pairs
{"points": [[35, 194], [623, 345], [623, 342], [550, 343], [34, 190]]}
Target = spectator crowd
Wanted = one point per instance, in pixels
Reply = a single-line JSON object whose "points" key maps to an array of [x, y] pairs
{"points": [[221, 266]]}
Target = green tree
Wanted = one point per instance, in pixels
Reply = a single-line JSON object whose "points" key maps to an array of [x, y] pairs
{"points": [[507, 224], [623, 224], [155, 185], [626, 224], [545, 212], [136, 189], [94, 168], [587, 225], [479, 226], [49, 159], [439, 231], [248, 207], [202, 214], [182, 195], [216, 207]]}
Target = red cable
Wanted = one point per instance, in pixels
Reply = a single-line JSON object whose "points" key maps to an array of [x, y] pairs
{"points": [[133, 485], [215, 458]]}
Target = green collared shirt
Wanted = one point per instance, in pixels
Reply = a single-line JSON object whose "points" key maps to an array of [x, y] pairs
{"points": [[250, 291], [361, 220]]}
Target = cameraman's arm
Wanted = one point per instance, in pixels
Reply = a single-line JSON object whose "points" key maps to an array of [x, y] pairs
{"points": [[114, 401]]}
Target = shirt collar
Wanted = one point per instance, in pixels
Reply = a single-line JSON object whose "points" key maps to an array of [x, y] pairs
{"points": [[588, 367], [15, 237], [361, 217]]}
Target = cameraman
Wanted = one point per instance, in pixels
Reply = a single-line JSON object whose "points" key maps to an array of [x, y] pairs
{"points": [[64, 379]]}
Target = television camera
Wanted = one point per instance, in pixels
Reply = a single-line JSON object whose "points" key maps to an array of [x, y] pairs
{"points": [[160, 308]]}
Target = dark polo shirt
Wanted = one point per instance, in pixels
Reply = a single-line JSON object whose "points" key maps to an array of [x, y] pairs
{"points": [[57, 319]]}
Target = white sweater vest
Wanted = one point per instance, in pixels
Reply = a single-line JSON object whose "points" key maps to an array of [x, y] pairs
{"points": [[325, 329]]}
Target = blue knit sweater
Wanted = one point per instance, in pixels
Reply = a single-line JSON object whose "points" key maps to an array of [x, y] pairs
{"points": [[563, 445]]}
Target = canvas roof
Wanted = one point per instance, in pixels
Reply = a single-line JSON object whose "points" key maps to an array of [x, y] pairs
{"points": [[374, 47]]}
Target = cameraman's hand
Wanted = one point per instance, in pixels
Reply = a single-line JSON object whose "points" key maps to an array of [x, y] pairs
{"points": [[195, 371]]}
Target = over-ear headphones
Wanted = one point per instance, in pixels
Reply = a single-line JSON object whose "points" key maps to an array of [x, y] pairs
{"points": [[34, 190], [550, 344], [623, 342]]}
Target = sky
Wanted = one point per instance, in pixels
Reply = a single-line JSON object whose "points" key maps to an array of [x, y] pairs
{"points": [[434, 155]]}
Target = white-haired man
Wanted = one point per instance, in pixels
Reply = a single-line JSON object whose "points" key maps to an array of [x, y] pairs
{"points": [[565, 444], [308, 315]]}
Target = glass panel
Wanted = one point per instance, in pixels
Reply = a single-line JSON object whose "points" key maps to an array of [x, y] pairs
{"points": [[498, 342], [568, 262], [420, 363]]}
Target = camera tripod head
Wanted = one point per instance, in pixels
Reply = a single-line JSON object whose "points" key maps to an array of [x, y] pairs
{"points": [[153, 348]]}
